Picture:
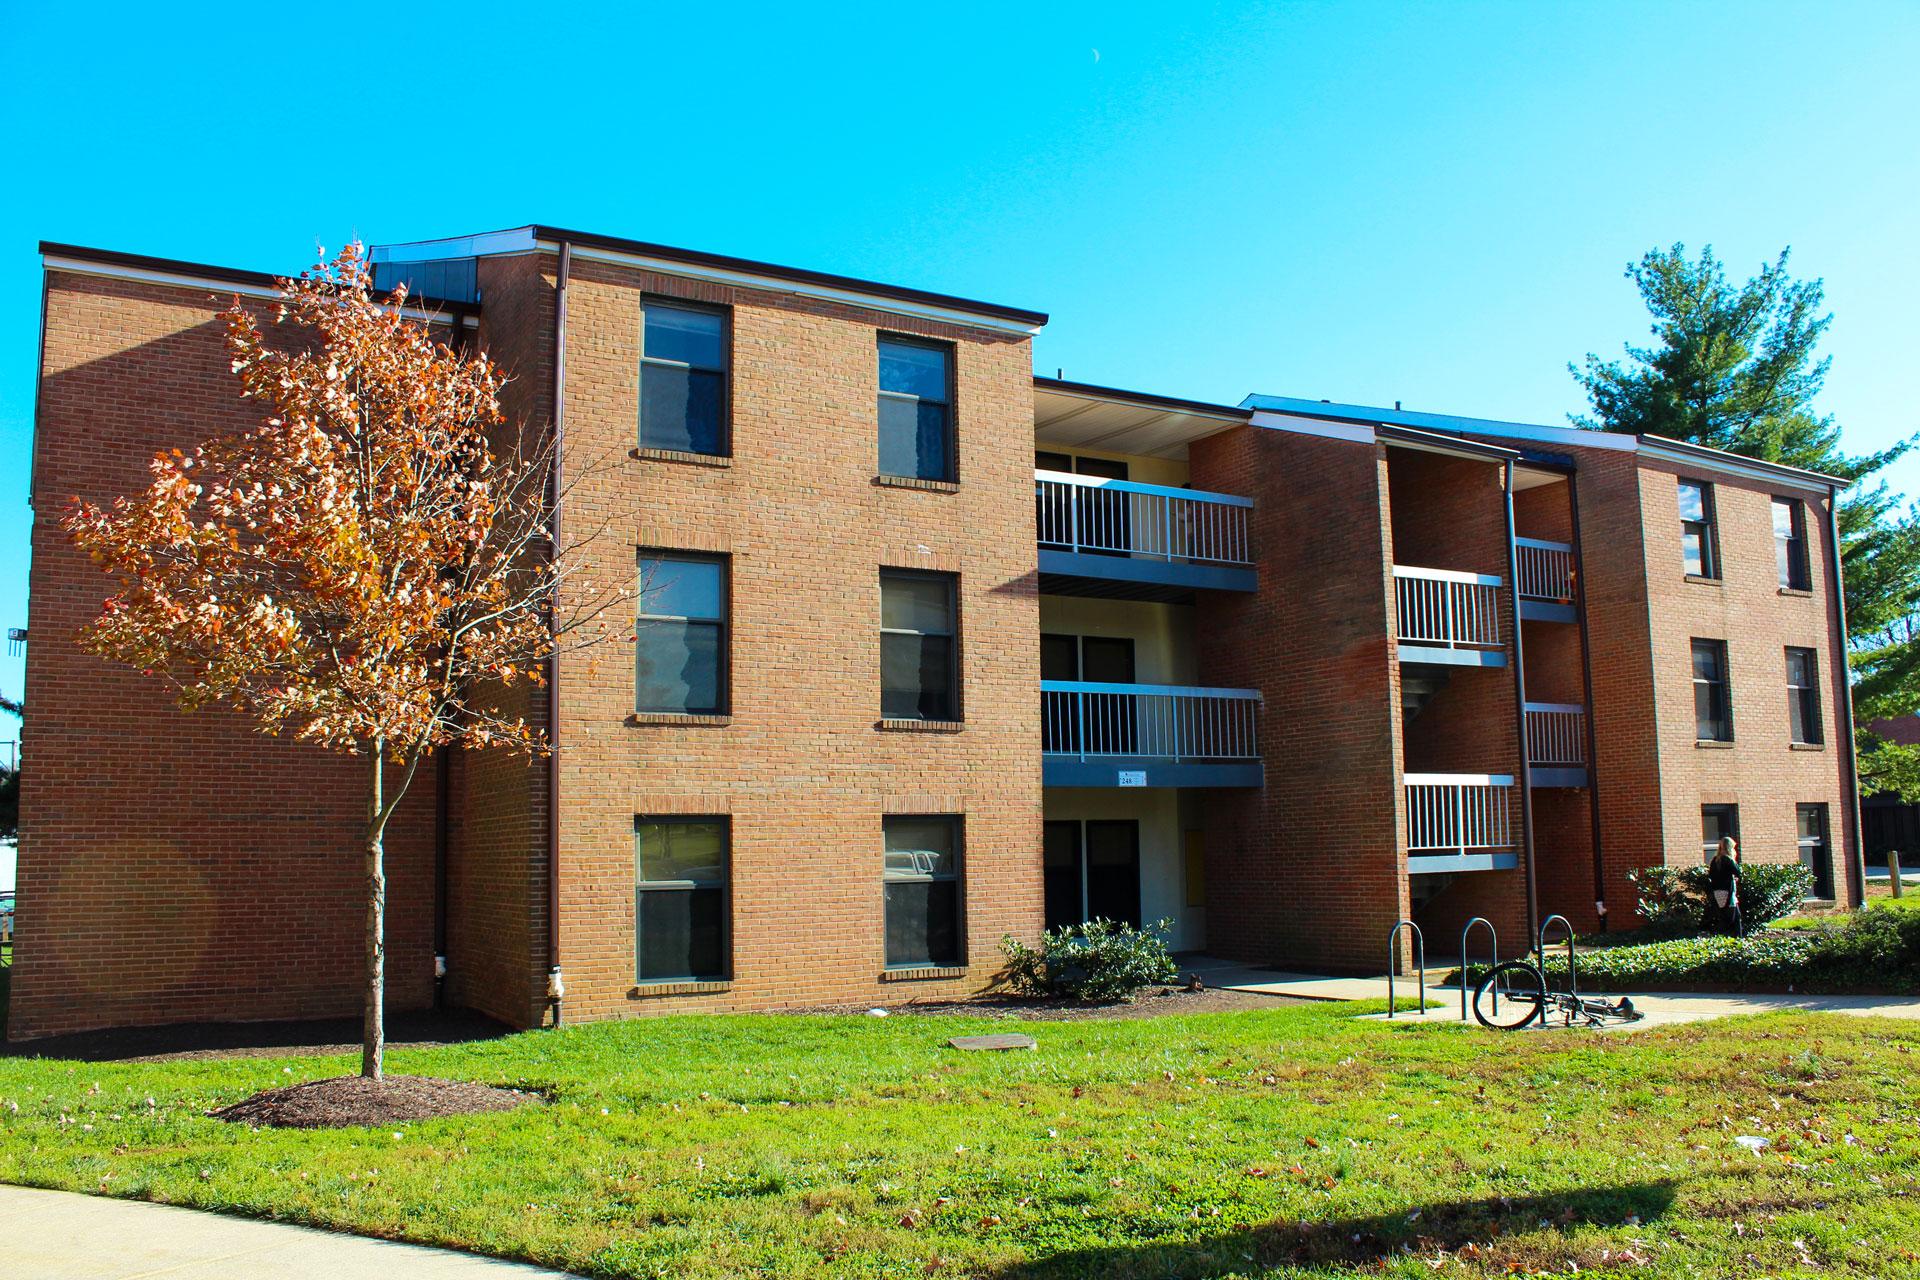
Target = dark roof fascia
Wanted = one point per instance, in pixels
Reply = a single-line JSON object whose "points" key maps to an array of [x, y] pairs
{"points": [[722, 262], [1712, 457], [1145, 399], [223, 275], [1390, 434]]}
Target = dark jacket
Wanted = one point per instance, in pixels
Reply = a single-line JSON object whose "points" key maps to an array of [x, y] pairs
{"points": [[1722, 873]]}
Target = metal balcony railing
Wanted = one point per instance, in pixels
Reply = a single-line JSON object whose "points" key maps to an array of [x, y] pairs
{"points": [[1087, 720], [1557, 734], [1545, 569], [1459, 813], [1447, 608], [1121, 517]]}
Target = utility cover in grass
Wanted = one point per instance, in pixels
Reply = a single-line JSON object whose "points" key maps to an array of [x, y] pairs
{"points": [[355, 1100], [988, 1043]]}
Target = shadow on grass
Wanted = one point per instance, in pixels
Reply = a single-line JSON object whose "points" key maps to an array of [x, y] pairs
{"points": [[1359, 1244], [249, 1039]]}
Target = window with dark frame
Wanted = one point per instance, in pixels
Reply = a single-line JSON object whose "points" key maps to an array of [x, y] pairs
{"points": [[683, 378], [1717, 820], [680, 635], [1698, 553], [1803, 698], [922, 878], [680, 911], [1790, 543], [919, 672], [1712, 698], [1816, 855], [916, 409]]}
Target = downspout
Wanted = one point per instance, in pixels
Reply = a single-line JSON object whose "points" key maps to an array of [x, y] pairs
{"points": [[1520, 718], [556, 988], [442, 784], [1586, 683], [1856, 863]]}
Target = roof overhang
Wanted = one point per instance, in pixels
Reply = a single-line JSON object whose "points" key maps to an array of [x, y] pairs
{"points": [[717, 268], [230, 281], [1080, 415], [1345, 420]]}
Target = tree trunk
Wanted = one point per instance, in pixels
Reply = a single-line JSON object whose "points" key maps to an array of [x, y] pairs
{"points": [[373, 1044]]}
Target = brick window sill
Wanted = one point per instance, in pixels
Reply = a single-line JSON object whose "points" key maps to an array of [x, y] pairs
{"points": [[681, 456], [676, 718], [1711, 744], [1806, 746], [1703, 581], [920, 726], [1800, 592], [914, 482], [925, 973], [646, 989]]}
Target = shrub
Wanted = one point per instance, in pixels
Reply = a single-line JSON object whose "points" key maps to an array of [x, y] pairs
{"points": [[1098, 960], [1674, 899], [1865, 951]]}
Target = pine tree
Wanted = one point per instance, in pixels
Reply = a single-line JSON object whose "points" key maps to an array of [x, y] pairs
{"points": [[1736, 367]]}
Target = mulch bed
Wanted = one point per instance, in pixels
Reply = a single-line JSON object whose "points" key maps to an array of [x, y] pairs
{"points": [[1157, 1003], [355, 1100]]}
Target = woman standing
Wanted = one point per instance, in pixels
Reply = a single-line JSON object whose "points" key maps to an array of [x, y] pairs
{"points": [[1723, 885]]}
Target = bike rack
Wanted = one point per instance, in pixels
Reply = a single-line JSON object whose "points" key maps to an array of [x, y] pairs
{"points": [[1493, 935], [1420, 958], [1540, 952]]}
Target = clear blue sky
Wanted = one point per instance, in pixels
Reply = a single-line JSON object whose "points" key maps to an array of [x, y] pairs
{"points": [[1368, 202]]}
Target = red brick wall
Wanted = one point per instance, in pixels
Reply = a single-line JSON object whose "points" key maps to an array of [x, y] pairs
{"points": [[174, 867], [801, 765], [1748, 609], [1309, 870]]}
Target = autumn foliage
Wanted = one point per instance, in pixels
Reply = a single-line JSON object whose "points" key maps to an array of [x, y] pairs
{"points": [[369, 568]]}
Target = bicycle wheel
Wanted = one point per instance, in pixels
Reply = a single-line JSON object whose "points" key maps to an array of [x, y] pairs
{"points": [[1510, 997]]}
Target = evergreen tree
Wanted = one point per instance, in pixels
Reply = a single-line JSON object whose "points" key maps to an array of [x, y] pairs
{"points": [[1736, 367]]}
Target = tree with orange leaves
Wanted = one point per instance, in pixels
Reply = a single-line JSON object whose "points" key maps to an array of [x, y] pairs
{"points": [[371, 569]]}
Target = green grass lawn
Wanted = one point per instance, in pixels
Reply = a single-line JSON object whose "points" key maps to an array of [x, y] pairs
{"points": [[1295, 1141]]}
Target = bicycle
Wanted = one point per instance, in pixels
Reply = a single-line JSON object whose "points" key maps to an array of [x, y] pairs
{"points": [[1514, 994]]}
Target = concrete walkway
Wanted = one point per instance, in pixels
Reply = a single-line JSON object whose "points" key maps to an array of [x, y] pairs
{"points": [[57, 1235], [1662, 1009]]}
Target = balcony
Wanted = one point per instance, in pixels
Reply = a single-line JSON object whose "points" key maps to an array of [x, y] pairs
{"points": [[1459, 822], [1556, 744], [1145, 541], [1447, 617], [1546, 579], [1148, 735]]}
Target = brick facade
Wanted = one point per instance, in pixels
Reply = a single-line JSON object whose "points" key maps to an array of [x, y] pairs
{"points": [[180, 868]]}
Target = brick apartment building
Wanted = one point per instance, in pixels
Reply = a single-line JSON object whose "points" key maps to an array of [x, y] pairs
{"points": [[932, 651]]}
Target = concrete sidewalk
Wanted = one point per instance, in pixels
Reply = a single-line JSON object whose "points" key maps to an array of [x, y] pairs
{"points": [[1662, 1009], [57, 1235]]}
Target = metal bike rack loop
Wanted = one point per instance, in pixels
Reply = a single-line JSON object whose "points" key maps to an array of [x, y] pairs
{"points": [[1493, 936], [1540, 952], [1420, 958]]}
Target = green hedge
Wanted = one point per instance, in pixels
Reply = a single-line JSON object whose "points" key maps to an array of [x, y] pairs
{"points": [[1866, 952], [1674, 899]]}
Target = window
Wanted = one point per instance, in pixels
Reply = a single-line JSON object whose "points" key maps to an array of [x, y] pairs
{"points": [[1717, 820], [680, 635], [1790, 543], [917, 670], [680, 900], [1815, 855], [683, 379], [1697, 550], [1712, 700], [1803, 697], [922, 879], [916, 410]]}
